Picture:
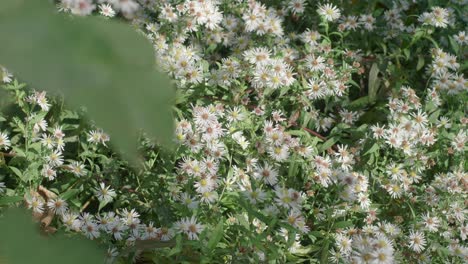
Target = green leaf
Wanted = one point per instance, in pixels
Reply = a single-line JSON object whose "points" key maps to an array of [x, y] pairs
{"points": [[324, 255], [21, 242], [10, 199], [217, 235], [416, 36], [434, 116], [101, 64], [102, 204], [69, 194], [343, 224], [454, 45], [374, 82], [18, 173], [372, 149], [178, 248], [407, 53], [330, 142], [420, 64], [360, 102]]}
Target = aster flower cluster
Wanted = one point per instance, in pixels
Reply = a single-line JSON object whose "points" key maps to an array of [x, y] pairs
{"points": [[304, 131]]}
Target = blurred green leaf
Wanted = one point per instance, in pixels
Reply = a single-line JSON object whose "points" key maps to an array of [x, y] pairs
{"points": [[343, 224], [17, 172], [454, 45], [70, 194], [324, 254], [360, 102], [10, 199], [217, 235], [374, 82], [103, 65], [420, 64], [372, 149], [328, 144], [22, 243]]}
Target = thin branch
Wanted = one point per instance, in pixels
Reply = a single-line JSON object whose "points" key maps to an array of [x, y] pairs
{"points": [[315, 133], [8, 155]]}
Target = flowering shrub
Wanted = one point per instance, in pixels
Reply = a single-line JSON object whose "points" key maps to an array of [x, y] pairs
{"points": [[306, 131]]}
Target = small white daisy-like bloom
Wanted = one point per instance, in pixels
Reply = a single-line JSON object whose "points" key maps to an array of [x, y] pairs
{"points": [[204, 185], [190, 227], [368, 21], [86, 217], [461, 38], [77, 168], [417, 241], [311, 37], [382, 256], [58, 205], [297, 6], [329, 12], [324, 124], [2, 187], [58, 132], [431, 222], [209, 197], [439, 17], [128, 7], [458, 143], [296, 219], [188, 201], [378, 131], [94, 136], [395, 171], [364, 200], [255, 196], [6, 76], [41, 100], [4, 141], [106, 10], [41, 125], [116, 229], [82, 7], [71, 221], [48, 141], [55, 159], [395, 190], [348, 117], [464, 232], [48, 172], [91, 230], [279, 153], [343, 243], [315, 63], [111, 254], [282, 197], [129, 217], [317, 89], [458, 211], [257, 56], [104, 193], [165, 233], [267, 174], [36, 204], [240, 139], [204, 117], [150, 232]]}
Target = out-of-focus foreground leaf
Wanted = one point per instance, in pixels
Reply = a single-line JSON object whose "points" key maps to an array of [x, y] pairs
{"points": [[21, 242], [374, 82], [103, 65]]}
